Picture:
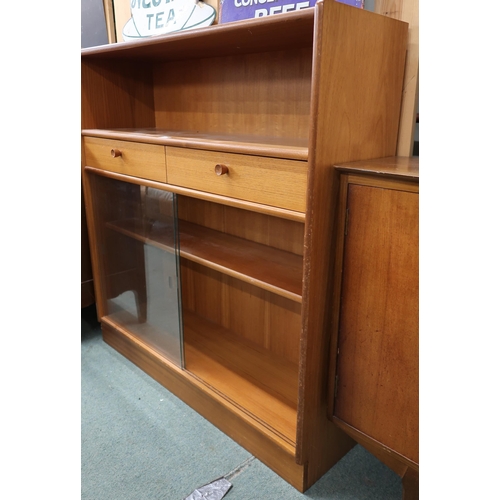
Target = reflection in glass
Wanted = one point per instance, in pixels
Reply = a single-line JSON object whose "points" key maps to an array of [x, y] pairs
{"points": [[139, 254]]}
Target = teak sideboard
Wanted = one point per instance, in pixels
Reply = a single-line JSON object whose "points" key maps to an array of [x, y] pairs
{"points": [[374, 383], [210, 194]]}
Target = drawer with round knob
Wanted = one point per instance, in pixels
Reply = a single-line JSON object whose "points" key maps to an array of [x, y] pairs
{"points": [[130, 158], [270, 181]]}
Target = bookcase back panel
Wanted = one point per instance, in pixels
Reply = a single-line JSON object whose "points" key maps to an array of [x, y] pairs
{"points": [[265, 94], [249, 312]]}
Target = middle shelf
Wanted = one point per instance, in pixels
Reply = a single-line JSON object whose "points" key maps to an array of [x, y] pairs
{"points": [[266, 267]]}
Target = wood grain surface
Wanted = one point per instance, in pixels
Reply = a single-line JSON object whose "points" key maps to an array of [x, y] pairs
{"points": [[378, 336], [351, 120]]}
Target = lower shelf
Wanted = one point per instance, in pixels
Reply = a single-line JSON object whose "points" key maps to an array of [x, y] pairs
{"points": [[204, 395], [250, 378], [261, 384]]}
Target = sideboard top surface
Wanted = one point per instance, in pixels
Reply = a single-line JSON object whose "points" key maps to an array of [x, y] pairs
{"points": [[393, 166]]}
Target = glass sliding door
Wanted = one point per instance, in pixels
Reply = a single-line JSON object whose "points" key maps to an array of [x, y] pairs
{"points": [[138, 247]]}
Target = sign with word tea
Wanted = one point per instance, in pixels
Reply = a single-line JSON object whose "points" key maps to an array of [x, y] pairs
{"points": [[158, 17]]}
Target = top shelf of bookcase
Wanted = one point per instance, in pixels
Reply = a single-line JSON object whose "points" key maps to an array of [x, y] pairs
{"points": [[291, 30]]}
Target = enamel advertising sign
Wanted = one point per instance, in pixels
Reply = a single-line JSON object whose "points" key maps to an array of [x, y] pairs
{"points": [[157, 17], [236, 10]]}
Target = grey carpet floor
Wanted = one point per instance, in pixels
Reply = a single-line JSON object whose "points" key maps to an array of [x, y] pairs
{"points": [[140, 442]]}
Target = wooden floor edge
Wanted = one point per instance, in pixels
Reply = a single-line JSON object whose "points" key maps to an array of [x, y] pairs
{"points": [[210, 406]]}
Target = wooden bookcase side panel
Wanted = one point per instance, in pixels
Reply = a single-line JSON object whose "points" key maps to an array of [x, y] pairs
{"points": [[92, 230], [264, 318], [116, 94], [357, 85], [87, 293], [262, 94], [97, 231]]}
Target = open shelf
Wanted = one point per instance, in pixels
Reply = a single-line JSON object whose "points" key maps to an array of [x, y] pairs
{"points": [[291, 30], [261, 384], [266, 267], [278, 147], [260, 265]]}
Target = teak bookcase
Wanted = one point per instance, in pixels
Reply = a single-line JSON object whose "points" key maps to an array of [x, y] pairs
{"points": [[207, 162]]}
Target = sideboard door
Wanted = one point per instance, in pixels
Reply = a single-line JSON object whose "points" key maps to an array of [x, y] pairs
{"points": [[377, 367]]}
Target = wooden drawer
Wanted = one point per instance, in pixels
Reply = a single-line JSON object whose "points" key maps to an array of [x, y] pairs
{"points": [[270, 181], [139, 160]]}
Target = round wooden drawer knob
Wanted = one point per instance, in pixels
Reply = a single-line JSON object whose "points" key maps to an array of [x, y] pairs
{"points": [[115, 153], [221, 169]]}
